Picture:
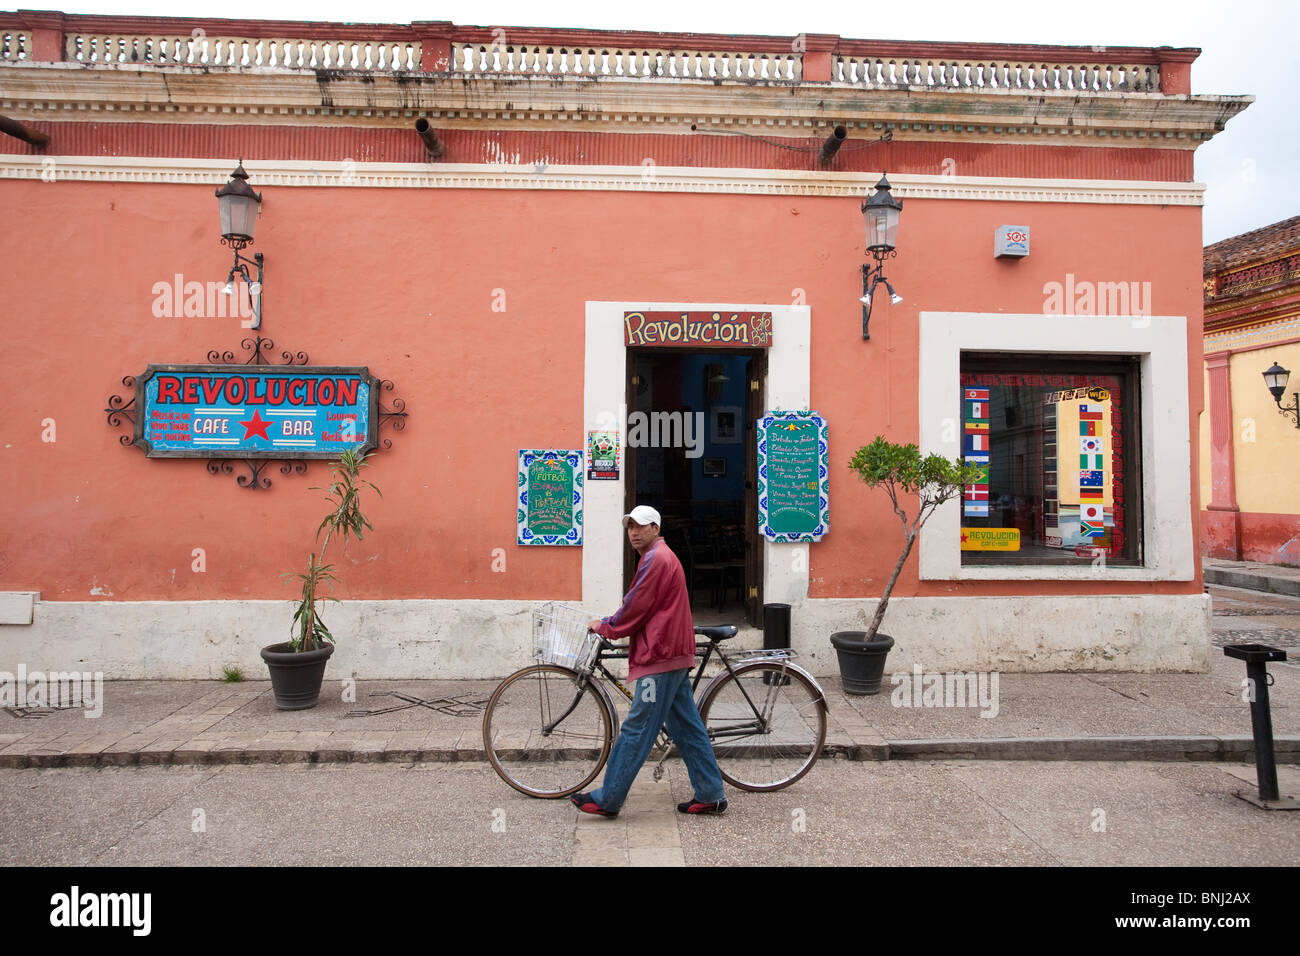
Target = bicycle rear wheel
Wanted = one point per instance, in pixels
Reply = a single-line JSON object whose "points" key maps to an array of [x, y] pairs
{"points": [[767, 731], [526, 756]]}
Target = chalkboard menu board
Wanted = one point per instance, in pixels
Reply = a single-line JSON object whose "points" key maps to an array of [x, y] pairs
{"points": [[549, 503], [793, 476]]}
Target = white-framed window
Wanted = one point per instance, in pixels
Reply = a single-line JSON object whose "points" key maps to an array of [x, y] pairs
{"points": [[1039, 371]]}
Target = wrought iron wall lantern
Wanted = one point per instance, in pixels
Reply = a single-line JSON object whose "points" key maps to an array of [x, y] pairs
{"points": [[238, 206], [880, 215], [1276, 378]]}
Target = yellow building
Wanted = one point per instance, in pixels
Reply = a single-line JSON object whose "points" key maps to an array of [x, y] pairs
{"points": [[1250, 448]]}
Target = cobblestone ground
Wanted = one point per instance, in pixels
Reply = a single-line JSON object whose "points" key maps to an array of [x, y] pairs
{"points": [[1253, 617]]}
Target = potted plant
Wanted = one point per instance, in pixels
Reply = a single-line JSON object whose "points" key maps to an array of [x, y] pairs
{"points": [[298, 666], [901, 471]]}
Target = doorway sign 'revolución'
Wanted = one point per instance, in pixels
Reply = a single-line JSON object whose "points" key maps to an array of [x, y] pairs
{"points": [[793, 476], [712, 330], [549, 501]]}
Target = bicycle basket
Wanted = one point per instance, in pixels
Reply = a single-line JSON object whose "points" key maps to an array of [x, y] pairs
{"points": [[560, 636]]}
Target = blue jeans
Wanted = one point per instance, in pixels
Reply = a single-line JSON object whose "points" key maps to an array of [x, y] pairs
{"points": [[660, 700]]}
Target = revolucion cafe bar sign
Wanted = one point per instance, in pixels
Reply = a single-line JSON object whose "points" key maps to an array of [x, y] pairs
{"points": [[254, 411], [740, 330]]}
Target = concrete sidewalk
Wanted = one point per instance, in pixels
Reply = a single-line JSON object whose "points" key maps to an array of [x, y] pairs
{"points": [[1038, 717]]}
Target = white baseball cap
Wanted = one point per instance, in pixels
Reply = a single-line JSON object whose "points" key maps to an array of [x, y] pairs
{"points": [[642, 514]]}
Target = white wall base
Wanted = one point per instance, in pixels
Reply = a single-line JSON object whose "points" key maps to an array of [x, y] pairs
{"points": [[479, 639], [1139, 632]]}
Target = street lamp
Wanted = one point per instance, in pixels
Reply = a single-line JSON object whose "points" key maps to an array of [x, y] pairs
{"points": [[238, 206], [880, 214], [1275, 378]]}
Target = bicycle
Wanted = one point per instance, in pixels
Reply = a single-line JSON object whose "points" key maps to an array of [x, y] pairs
{"points": [[548, 728]]}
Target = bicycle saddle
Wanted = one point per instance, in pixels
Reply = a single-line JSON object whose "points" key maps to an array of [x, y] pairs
{"points": [[720, 633]]}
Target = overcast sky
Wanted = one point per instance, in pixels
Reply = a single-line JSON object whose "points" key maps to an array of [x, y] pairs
{"points": [[1249, 47]]}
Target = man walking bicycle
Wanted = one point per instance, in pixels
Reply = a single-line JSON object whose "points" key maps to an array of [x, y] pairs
{"points": [[656, 616]]}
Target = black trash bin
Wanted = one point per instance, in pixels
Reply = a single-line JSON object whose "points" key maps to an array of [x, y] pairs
{"points": [[776, 633], [776, 626]]}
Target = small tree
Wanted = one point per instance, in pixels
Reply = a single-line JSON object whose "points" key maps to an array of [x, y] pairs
{"points": [[307, 629], [901, 471]]}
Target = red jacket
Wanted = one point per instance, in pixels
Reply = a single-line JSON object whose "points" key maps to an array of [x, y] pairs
{"points": [[656, 613]]}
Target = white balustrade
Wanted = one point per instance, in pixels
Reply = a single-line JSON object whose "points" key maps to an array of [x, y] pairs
{"points": [[198, 49], [891, 72], [14, 46], [637, 63], [869, 71]]}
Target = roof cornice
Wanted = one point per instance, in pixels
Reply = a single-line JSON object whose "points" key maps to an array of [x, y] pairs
{"points": [[56, 91]]}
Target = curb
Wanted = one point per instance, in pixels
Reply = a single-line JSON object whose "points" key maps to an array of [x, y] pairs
{"points": [[1229, 748], [1232, 748], [1253, 581]]}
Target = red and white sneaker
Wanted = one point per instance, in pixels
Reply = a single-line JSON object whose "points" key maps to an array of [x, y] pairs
{"points": [[584, 803], [696, 806]]}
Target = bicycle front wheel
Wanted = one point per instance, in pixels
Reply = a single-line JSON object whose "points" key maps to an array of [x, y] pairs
{"points": [[767, 725], [544, 733]]}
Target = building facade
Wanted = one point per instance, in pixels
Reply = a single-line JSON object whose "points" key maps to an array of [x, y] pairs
{"points": [[647, 241], [1249, 452]]}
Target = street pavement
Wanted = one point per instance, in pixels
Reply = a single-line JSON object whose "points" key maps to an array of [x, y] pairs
{"points": [[1097, 768], [849, 813]]}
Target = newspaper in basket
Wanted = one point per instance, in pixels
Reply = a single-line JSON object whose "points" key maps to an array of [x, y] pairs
{"points": [[560, 636]]}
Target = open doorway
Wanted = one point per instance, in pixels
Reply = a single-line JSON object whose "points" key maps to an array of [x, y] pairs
{"points": [[690, 453]]}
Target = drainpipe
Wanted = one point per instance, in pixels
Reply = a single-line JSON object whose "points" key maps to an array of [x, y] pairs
{"points": [[17, 130]]}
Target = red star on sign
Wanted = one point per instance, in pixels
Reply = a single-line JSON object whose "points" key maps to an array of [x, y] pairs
{"points": [[255, 427], [964, 537]]}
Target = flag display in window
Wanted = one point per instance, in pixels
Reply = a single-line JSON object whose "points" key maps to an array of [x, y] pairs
{"points": [[975, 450]]}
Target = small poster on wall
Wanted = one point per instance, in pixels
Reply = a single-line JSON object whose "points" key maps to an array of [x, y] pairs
{"points": [[602, 455], [793, 476], [549, 502]]}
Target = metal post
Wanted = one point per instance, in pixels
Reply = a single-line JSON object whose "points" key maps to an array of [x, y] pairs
{"points": [[1261, 726], [1257, 657]]}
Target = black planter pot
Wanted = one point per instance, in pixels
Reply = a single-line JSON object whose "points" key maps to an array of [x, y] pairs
{"points": [[862, 662], [296, 677]]}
